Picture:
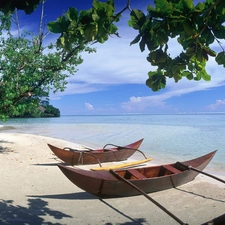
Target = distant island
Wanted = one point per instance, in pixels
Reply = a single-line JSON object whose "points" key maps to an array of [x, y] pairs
{"points": [[43, 110], [49, 111]]}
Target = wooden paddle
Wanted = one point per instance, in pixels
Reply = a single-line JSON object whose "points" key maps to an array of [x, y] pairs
{"points": [[147, 196], [78, 150], [199, 171], [123, 165]]}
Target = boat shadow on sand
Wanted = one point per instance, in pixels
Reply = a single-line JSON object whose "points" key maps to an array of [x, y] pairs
{"points": [[11, 214], [132, 221], [87, 196], [199, 195], [68, 196]]}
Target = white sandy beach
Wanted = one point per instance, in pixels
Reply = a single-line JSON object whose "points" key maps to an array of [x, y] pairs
{"points": [[34, 191]]}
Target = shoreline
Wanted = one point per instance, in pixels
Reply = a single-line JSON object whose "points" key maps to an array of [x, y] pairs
{"points": [[34, 191], [159, 157]]}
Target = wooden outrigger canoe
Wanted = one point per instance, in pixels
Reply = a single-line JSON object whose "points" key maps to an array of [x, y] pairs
{"points": [[85, 157], [148, 178]]}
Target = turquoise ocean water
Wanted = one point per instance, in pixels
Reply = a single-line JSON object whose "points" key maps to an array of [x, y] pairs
{"points": [[167, 138]]}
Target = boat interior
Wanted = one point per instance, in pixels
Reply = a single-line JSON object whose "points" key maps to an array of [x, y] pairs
{"points": [[151, 172]]}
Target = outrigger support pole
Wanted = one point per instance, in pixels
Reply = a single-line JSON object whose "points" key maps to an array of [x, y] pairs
{"points": [[147, 196], [200, 171]]}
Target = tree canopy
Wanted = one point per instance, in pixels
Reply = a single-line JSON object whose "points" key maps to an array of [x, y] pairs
{"points": [[31, 72], [43, 110], [195, 27], [8, 6]]}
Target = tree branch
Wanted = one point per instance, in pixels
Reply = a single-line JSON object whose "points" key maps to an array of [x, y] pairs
{"points": [[41, 35], [207, 18], [16, 21]]}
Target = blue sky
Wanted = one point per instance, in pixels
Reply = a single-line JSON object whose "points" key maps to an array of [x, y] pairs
{"points": [[112, 80]]}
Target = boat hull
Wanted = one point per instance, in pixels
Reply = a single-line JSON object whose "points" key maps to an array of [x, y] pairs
{"points": [[104, 184], [80, 157]]}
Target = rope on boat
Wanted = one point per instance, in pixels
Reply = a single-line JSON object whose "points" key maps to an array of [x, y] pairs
{"points": [[80, 159], [121, 147]]}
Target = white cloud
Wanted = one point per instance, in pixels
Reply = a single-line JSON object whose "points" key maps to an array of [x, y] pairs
{"points": [[116, 62], [89, 106], [139, 104], [217, 105], [184, 86], [77, 88]]}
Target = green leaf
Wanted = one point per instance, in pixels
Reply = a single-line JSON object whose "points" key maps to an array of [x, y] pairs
{"points": [[90, 31], [198, 77], [59, 26], [199, 7], [188, 27], [72, 14], [156, 80], [95, 16], [198, 65], [189, 4], [145, 27], [137, 19], [210, 52], [63, 23], [208, 36], [142, 44], [205, 76], [161, 37], [219, 31], [220, 58], [28, 6], [177, 76], [157, 57], [54, 27], [113, 29], [136, 40], [201, 56], [85, 16], [163, 6], [188, 75], [190, 51]]}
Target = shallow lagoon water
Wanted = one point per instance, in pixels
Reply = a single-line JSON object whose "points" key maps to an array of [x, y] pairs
{"points": [[167, 138]]}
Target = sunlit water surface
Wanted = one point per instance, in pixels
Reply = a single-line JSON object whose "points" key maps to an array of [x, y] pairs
{"points": [[167, 138]]}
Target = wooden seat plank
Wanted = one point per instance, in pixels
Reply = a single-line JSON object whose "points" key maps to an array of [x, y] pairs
{"points": [[172, 169], [135, 173]]}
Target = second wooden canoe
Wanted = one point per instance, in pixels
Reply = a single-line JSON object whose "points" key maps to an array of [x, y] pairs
{"points": [[85, 157]]}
